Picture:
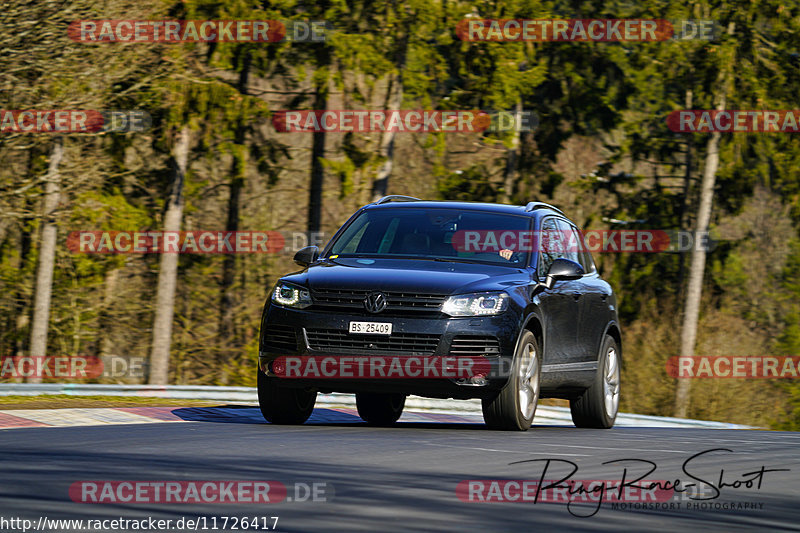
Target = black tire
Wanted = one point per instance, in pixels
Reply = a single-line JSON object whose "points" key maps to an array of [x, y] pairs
{"points": [[590, 410], [380, 409], [505, 410], [284, 405]]}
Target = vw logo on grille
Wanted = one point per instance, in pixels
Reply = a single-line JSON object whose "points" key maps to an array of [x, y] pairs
{"points": [[375, 302]]}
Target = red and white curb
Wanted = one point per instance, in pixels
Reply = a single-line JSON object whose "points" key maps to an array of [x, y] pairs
{"points": [[70, 417], [417, 409]]}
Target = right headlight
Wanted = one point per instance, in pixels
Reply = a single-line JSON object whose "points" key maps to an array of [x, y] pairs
{"points": [[289, 295], [476, 304]]}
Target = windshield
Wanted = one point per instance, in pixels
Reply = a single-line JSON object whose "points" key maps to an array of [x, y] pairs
{"points": [[432, 234]]}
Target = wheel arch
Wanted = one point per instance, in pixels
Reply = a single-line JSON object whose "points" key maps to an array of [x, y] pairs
{"points": [[613, 330], [533, 323]]}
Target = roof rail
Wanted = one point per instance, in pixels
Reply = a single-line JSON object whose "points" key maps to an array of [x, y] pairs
{"points": [[397, 198], [532, 206]]}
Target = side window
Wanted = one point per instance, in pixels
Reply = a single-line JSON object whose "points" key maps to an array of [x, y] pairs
{"points": [[587, 261], [570, 243], [549, 244], [583, 254]]}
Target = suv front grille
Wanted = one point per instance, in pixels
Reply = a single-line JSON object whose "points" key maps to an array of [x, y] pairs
{"points": [[474, 345], [396, 343], [397, 301], [280, 337]]}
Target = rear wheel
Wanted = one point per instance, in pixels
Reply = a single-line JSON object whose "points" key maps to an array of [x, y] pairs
{"points": [[380, 409], [598, 405], [513, 408], [284, 405]]}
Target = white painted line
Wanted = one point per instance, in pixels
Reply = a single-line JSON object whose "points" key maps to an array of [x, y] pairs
{"points": [[426, 443]]}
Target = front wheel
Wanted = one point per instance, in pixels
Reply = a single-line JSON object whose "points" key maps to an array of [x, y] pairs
{"points": [[513, 408], [598, 405], [284, 405], [380, 409]]}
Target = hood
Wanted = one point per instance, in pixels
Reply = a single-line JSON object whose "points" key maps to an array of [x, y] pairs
{"points": [[411, 275]]}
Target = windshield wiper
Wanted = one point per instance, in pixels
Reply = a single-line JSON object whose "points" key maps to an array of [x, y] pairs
{"points": [[454, 260]]}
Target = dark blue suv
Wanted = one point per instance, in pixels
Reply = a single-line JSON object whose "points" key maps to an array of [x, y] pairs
{"points": [[422, 285]]}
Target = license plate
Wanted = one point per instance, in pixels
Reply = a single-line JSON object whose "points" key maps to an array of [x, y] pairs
{"points": [[375, 328]]}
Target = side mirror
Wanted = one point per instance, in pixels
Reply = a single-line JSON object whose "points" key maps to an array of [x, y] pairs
{"points": [[562, 269], [306, 256]]}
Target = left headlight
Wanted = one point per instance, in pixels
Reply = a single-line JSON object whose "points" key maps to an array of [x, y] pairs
{"points": [[290, 295], [476, 304]]}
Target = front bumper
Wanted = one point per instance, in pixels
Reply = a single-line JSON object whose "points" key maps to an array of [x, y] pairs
{"points": [[308, 332]]}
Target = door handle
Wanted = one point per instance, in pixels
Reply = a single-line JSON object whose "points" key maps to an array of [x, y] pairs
{"points": [[604, 297], [576, 296]]}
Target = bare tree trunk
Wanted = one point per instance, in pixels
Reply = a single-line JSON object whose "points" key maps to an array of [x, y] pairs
{"points": [[685, 203], [23, 301], [226, 331], [694, 290], [106, 346], [47, 257], [317, 171], [511, 173], [4, 225], [394, 99], [168, 267]]}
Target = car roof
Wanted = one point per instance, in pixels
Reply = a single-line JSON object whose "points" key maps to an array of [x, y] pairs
{"points": [[532, 209]]}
